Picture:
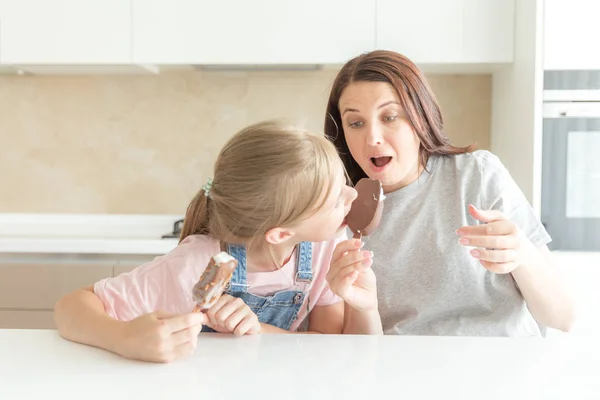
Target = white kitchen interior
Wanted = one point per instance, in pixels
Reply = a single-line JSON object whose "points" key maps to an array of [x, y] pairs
{"points": [[102, 100], [112, 111]]}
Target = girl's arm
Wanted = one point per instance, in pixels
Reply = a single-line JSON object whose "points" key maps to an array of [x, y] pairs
{"points": [[350, 277], [158, 337], [362, 322], [144, 314], [322, 319]]}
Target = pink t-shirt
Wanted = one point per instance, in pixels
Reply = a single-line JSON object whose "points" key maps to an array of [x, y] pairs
{"points": [[166, 282]]}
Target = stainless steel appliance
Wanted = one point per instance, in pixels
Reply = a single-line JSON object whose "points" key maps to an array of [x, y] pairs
{"points": [[571, 159], [177, 226]]}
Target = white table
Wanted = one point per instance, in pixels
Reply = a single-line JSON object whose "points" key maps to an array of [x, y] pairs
{"points": [[37, 364]]}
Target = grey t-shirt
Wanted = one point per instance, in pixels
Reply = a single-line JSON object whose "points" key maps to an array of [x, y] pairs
{"points": [[429, 284]]}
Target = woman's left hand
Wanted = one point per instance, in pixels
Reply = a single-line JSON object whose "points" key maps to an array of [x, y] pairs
{"points": [[499, 246]]}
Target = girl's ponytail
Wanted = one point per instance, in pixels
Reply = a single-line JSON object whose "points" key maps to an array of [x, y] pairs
{"points": [[196, 217]]}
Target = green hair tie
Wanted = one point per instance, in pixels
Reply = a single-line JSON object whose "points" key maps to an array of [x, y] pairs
{"points": [[207, 187]]}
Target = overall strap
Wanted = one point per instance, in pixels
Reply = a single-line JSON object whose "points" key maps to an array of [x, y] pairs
{"points": [[304, 263], [239, 282]]}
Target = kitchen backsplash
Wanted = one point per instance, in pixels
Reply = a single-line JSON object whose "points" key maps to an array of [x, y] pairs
{"points": [[145, 144]]}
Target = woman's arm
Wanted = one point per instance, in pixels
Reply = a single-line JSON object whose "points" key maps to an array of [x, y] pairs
{"points": [[545, 292], [502, 248]]}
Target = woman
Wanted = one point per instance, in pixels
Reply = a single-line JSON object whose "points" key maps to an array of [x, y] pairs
{"points": [[459, 250]]}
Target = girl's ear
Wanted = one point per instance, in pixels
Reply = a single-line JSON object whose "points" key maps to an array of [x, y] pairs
{"points": [[278, 235]]}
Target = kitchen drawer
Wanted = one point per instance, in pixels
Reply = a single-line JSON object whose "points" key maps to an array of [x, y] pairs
{"points": [[40, 285], [119, 269], [27, 319], [129, 263]]}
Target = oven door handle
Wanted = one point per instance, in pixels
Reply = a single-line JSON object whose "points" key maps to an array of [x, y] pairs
{"points": [[588, 109]]}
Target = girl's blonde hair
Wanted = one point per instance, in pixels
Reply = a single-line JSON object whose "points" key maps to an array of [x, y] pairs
{"points": [[267, 175]]}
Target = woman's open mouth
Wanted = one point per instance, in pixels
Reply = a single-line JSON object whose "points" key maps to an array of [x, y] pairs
{"points": [[380, 162]]}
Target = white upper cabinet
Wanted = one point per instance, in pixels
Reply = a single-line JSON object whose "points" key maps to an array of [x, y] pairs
{"points": [[251, 32], [488, 33], [571, 34], [447, 31], [65, 32], [262, 32]]}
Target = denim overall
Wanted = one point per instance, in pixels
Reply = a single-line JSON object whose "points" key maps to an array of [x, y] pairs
{"points": [[281, 308]]}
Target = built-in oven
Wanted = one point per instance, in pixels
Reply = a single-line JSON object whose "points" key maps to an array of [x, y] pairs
{"points": [[570, 202]]}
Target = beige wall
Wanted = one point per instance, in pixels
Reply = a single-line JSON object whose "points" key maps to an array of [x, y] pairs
{"points": [[144, 144]]}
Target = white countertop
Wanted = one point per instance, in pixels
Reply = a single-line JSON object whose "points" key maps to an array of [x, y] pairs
{"points": [[106, 234], [86, 233], [35, 364], [87, 246]]}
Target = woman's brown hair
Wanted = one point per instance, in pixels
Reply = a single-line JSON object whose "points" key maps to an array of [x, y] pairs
{"points": [[416, 98]]}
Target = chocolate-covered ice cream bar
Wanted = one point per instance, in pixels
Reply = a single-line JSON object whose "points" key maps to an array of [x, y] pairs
{"points": [[213, 281], [365, 213]]}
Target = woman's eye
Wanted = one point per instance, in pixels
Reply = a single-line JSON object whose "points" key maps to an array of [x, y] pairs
{"points": [[355, 124], [390, 118]]}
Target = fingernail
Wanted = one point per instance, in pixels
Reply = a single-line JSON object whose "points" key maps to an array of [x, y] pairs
{"points": [[367, 253], [358, 243], [459, 232], [367, 262], [464, 241], [475, 253]]}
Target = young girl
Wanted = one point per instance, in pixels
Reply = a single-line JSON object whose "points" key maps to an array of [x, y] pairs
{"points": [[459, 250], [277, 203]]}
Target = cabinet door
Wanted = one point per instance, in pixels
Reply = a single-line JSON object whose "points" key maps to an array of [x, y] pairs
{"points": [[27, 320], [571, 34], [447, 31], [39, 285], [122, 268], [426, 31], [488, 31], [65, 32], [251, 32]]}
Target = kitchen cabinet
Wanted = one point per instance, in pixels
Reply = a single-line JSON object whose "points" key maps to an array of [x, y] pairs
{"points": [[27, 319], [571, 33], [64, 32], [29, 290], [255, 33], [38, 285], [251, 32], [123, 268], [447, 31]]}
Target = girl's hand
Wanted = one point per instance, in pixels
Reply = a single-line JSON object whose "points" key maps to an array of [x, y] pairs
{"points": [[499, 246], [231, 315], [351, 277], [160, 337]]}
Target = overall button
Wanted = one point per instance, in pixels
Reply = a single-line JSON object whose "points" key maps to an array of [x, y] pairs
{"points": [[298, 298]]}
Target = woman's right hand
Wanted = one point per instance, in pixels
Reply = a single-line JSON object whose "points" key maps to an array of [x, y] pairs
{"points": [[351, 277], [161, 337]]}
